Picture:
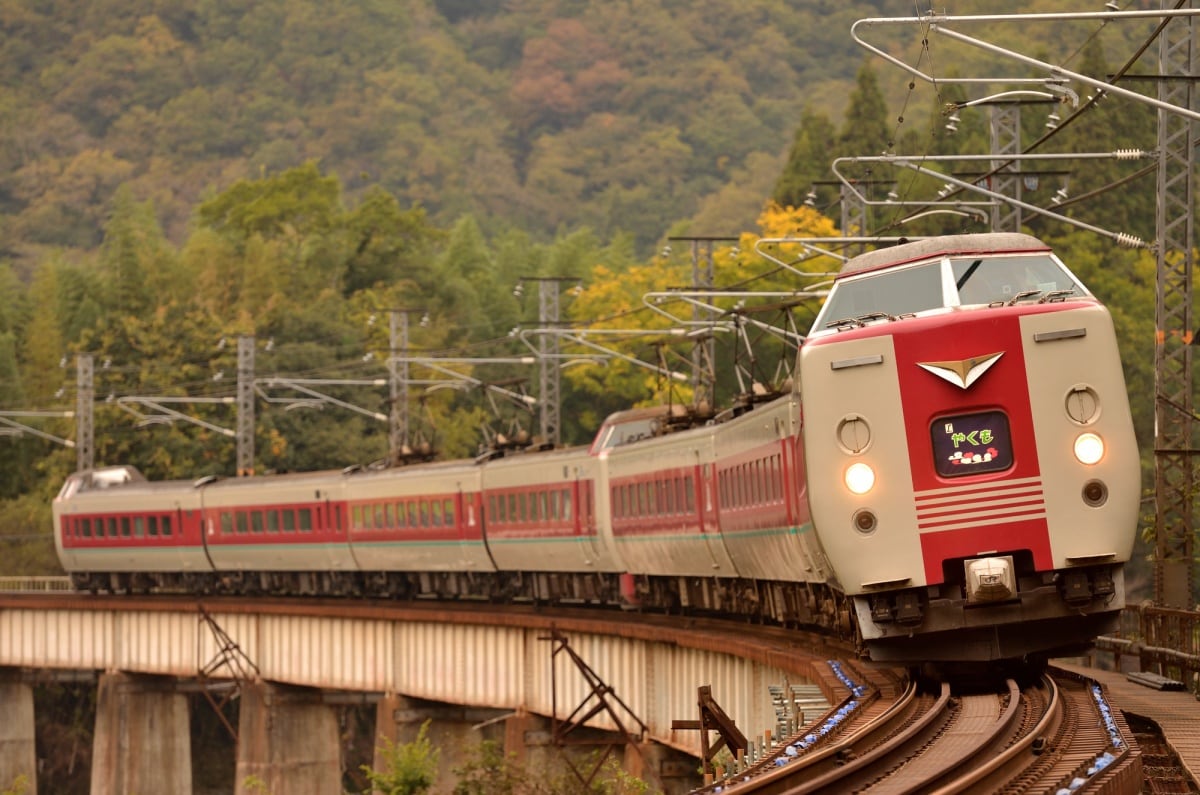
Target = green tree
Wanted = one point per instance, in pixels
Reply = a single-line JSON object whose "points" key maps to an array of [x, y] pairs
{"points": [[409, 768], [808, 163]]}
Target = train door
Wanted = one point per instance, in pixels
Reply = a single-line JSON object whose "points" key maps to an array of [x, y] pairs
{"points": [[583, 512]]}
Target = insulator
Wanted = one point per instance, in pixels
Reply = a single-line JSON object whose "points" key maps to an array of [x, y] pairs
{"points": [[1130, 154], [1126, 240]]}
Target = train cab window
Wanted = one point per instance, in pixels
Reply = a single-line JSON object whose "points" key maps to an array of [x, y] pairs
{"points": [[242, 522], [272, 521], [139, 527], [305, 520], [289, 521], [448, 512], [981, 280], [896, 291]]}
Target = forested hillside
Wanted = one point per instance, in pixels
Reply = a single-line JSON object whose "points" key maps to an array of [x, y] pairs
{"points": [[176, 174]]}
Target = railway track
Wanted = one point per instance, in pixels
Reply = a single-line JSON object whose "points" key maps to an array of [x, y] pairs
{"points": [[891, 738]]}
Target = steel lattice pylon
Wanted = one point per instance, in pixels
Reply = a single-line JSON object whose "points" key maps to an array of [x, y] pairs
{"points": [[550, 388], [245, 406], [1006, 140], [1174, 468]]}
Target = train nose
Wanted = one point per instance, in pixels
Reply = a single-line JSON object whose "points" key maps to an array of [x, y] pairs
{"points": [[990, 579]]}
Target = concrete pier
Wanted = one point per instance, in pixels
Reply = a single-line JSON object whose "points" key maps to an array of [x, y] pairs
{"points": [[18, 754], [142, 742], [288, 742]]}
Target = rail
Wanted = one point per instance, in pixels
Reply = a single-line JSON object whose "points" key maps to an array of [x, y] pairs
{"points": [[1164, 641]]}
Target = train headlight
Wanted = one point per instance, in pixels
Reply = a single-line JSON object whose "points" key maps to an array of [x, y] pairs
{"points": [[1089, 448], [860, 478]]}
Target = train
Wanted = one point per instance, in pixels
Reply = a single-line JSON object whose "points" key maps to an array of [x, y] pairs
{"points": [[951, 476]]}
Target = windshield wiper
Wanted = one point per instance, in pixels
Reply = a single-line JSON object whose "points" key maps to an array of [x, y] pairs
{"points": [[1021, 296]]}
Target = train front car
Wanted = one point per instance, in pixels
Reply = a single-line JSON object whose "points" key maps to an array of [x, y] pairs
{"points": [[980, 488]]}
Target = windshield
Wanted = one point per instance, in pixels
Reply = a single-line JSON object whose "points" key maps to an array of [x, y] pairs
{"points": [[898, 291], [982, 280], [911, 289]]}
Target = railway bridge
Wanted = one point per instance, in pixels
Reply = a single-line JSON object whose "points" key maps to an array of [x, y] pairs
{"points": [[532, 678]]}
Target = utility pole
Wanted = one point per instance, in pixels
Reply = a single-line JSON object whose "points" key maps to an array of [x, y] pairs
{"points": [[1174, 451], [85, 429]]}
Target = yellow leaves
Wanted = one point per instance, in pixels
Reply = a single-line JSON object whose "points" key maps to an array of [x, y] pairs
{"points": [[778, 221]]}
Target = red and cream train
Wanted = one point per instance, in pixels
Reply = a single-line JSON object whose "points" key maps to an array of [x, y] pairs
{"points": [[953, 477]]}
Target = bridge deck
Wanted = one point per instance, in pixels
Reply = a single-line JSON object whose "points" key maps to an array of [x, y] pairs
{"points": [[1177, 713]]}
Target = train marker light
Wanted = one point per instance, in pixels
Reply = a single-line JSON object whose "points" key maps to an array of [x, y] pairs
{"points": [[1089, 448], [860, 478]]}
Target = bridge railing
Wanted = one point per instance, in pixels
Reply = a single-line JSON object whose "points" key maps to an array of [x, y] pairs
{"points": [[1164, 641]]}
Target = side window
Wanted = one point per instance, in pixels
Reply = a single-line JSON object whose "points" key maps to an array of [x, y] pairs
{"points": [[436, 513], [272, 521], [448, 512], [85, 525], [242, 522], [256, 521], [306, 522], [226, 522], [166, 525], [289, 520], [124, 527], [152, 526]]}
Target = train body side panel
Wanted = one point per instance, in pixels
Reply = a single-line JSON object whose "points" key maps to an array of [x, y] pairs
{"points": [[292, 522], [662, 503], [421, 518], [762, 501], [540, 512], [128, 527]]}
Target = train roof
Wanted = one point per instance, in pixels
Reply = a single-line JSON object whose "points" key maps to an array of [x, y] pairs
{"points": [[948, 245]]}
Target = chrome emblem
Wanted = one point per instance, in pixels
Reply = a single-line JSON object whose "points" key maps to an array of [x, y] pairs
{"points": [[964, 373]]}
